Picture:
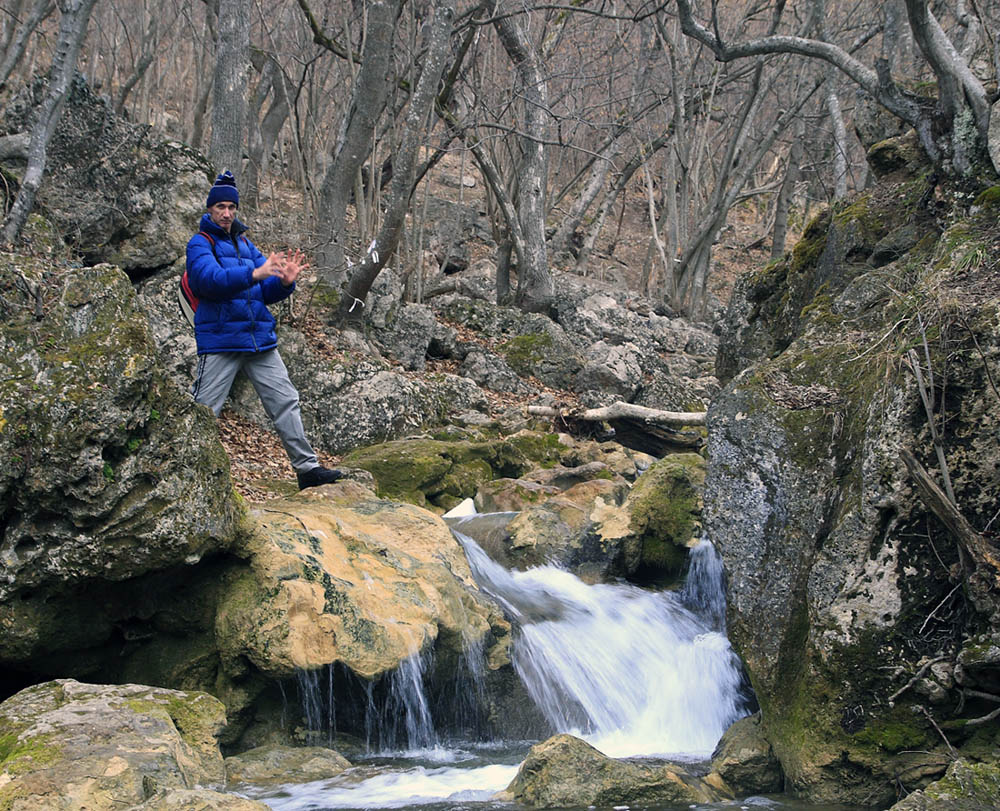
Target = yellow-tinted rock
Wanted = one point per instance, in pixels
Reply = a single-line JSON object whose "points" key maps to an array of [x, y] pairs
{"points": [[338, 575]]}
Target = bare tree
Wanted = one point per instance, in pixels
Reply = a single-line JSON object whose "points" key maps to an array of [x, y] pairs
{"points": [[18, 31], [404, 162], [72, 31], [961, 106], [229, 100]]}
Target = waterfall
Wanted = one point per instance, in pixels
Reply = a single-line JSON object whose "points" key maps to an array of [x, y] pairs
{"points": [[634, 672]]}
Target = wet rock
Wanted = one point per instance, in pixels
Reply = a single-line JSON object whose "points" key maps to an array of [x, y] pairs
{"points": [[74, 745], [337, 575], [745, 760], [965, 787], [198, 800], [277, 764], [565, 771]]}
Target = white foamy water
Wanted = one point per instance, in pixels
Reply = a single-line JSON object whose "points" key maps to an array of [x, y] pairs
{"points": [[395, 789], [633, 672]]}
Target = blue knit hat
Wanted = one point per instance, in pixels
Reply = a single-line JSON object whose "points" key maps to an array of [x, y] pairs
{"points": [[224, 189]]}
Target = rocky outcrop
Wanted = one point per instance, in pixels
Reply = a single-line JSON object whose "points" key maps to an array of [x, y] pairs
{"points": [[965, 787], [842, 584], [274, 764], [565, 771], [113, 192], [745, 760], [337, 575], [65, 744], [110, 471]]}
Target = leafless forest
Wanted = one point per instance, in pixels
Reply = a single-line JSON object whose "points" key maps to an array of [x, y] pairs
{"points": [[573, 116]]}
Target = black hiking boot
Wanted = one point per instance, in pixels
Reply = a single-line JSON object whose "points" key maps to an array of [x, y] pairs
{"points": [[317, 476]]}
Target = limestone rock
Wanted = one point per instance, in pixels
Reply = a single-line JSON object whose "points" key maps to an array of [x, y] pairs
{"points": [[493, 372], [816, 519], [110, 472], [178, 799], [511, 495], [664, 509], [965, 787], [73, 745], [745, 760], [115, 193], [444, 472], [339, 576], [276, 764], [567, 772], [613, 369], [583, 529]]}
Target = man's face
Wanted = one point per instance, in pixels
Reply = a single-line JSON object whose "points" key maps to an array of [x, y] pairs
{"points": [[223, 214]]}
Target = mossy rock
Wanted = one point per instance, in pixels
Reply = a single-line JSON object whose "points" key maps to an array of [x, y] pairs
{"points": [[525, 352], [444, 472], [665, 511], [966, 786]]}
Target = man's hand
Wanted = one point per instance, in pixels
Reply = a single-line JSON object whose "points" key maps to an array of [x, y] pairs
{"points": [[272, 267], [287, 266], [294, 264]]}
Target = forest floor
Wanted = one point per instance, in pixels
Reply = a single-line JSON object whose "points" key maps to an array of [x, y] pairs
{"points": [[256, 456]]}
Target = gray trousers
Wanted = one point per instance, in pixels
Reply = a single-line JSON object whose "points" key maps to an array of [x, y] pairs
{"points": [[269, 377]]}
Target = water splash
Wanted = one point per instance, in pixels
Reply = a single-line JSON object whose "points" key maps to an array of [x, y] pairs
{"points": [[634, 672]]}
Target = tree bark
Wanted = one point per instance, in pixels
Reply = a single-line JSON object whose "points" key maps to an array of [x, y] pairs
{"points": [[14, 50], [368, 97], [72, 32], [623, 410], [404, 165], [229, 100], [534, 281], [785, 196]]}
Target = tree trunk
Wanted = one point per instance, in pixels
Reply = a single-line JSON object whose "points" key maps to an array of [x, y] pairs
{"points": [[534, 281], [72, 32], [404, 165], [18, 41], [786, 195], [229, 98], [368, 96]]}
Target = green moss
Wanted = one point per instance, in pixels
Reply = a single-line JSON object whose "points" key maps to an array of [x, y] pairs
{"points": [[18, 757], [665, 510], [525, 352], [988, 198], [894, 735]]}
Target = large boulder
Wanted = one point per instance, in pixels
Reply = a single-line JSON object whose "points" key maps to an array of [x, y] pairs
{"points": [[110, 471], [841, 581], [114, 192], [65, 744], [442, 472], [745, 760], [339, 576], [664, 509], [965, 787], [567, 772], [267, 765]]}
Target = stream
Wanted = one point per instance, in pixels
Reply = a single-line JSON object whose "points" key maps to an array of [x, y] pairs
{"points": [[636, 673]]}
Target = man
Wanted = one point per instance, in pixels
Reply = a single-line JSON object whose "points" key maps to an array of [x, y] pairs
{"points": [[234, 283]]}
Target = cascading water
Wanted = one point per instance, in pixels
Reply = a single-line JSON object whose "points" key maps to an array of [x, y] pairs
{"points": [[635, 672], [632, 671]]}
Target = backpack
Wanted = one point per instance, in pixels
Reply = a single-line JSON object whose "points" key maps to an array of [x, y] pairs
{"points": [[185, 295]]}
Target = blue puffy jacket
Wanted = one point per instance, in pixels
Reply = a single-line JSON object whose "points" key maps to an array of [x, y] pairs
{"points": [[232, 314]]}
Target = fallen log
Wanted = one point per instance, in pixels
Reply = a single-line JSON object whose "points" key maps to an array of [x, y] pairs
{"points": [[648, 430], [622, 411], [935, 499]]}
